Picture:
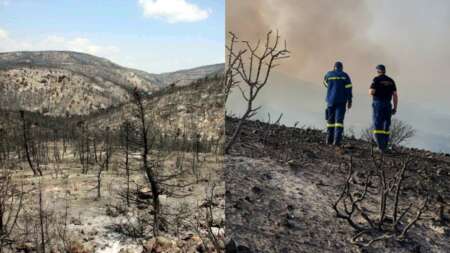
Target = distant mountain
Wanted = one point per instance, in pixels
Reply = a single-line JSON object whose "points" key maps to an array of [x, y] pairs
{"points": [[183, 77], [63, 82]]}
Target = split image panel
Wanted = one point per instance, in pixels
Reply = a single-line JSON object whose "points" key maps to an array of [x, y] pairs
{"points": [[337, 136], [111, 126]]}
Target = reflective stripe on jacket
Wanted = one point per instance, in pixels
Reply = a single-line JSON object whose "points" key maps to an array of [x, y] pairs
{"points": [[339, 87]]}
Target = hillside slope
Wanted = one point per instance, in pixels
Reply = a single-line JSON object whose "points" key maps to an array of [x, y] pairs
{"points": [[191, 111], [197, 108], [102, 220], [62, 82], [281, 183]]}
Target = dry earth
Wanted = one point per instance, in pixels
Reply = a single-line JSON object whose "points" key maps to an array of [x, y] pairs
{"points": [[281, 183], [95, 224]]}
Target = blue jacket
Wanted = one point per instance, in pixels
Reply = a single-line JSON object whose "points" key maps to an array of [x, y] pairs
{"points": [[339, 87]]}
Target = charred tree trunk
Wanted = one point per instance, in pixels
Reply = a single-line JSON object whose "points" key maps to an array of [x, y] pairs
{"points": [[253, 65], [36, 170], [148, 168], [41, 219], [126, 131]]}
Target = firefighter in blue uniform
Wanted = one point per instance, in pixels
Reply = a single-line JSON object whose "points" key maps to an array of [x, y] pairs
{"points": [[383, 90], [339, 98]]}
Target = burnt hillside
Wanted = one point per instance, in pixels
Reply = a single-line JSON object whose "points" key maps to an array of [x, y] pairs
{"points": [[189, 111], [60, 83], [282, 183]]}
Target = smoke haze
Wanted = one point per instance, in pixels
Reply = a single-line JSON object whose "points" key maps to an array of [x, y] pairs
{"points": [[411, 37], [317, 33]]}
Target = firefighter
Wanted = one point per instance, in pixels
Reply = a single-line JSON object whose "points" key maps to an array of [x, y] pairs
{"points": [[383, 90], [339, 99]]}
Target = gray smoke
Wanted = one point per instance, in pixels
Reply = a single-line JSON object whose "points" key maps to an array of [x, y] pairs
{"points": [[411, 37], [318, 32]]}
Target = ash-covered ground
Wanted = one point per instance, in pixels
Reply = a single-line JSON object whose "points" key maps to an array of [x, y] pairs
{"points": [[77, 220], [281, 184]]}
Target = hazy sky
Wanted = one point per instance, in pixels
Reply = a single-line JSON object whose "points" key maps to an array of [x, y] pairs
{"points": [[411, 37], [152, 35]]}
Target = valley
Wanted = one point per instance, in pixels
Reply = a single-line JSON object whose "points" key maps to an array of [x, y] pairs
{"points": [[99, 158]]}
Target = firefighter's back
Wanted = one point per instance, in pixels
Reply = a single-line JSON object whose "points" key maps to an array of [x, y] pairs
{"points": [[337, 82]]}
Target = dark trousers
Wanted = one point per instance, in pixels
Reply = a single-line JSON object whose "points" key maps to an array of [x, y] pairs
{"points": [[335, 115], [382, 113]]}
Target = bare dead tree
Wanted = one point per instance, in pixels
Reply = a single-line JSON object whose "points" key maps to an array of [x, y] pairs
{"points": [[156, 149], [62, 223], [126, 139], [11, 205], [84, 139], [26, 142], [108, 147], [39, 144], [101, 168], [254, 66], [56, 153], [181, 215], [215, 238], [41, 219], [400, 132], [195, 148], [350, 205], [11, 134], [94, 146], [64, 135], [147, 166], [230, 81], [5, 145], [103, 160]]}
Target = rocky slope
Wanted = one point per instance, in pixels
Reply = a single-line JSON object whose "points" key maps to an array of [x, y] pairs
{"points": [[281, 183], [190, 112], [195, 109], [60, 82]]}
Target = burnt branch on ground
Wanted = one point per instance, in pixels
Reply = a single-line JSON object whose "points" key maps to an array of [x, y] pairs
{"points": [[377, 226], [415, 194], [11, 205]]}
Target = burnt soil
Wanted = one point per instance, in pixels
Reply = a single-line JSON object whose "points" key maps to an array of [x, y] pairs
{"points": [[282, 181]]}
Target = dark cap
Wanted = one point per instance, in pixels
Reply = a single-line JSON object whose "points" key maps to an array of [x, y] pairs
{"points": [[338, 65], [381, 67]]}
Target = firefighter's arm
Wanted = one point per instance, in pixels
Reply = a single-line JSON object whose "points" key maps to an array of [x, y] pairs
{"points": [[395, 99], [325, 81], [349, 98], [349, 92], [372, 88]]}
